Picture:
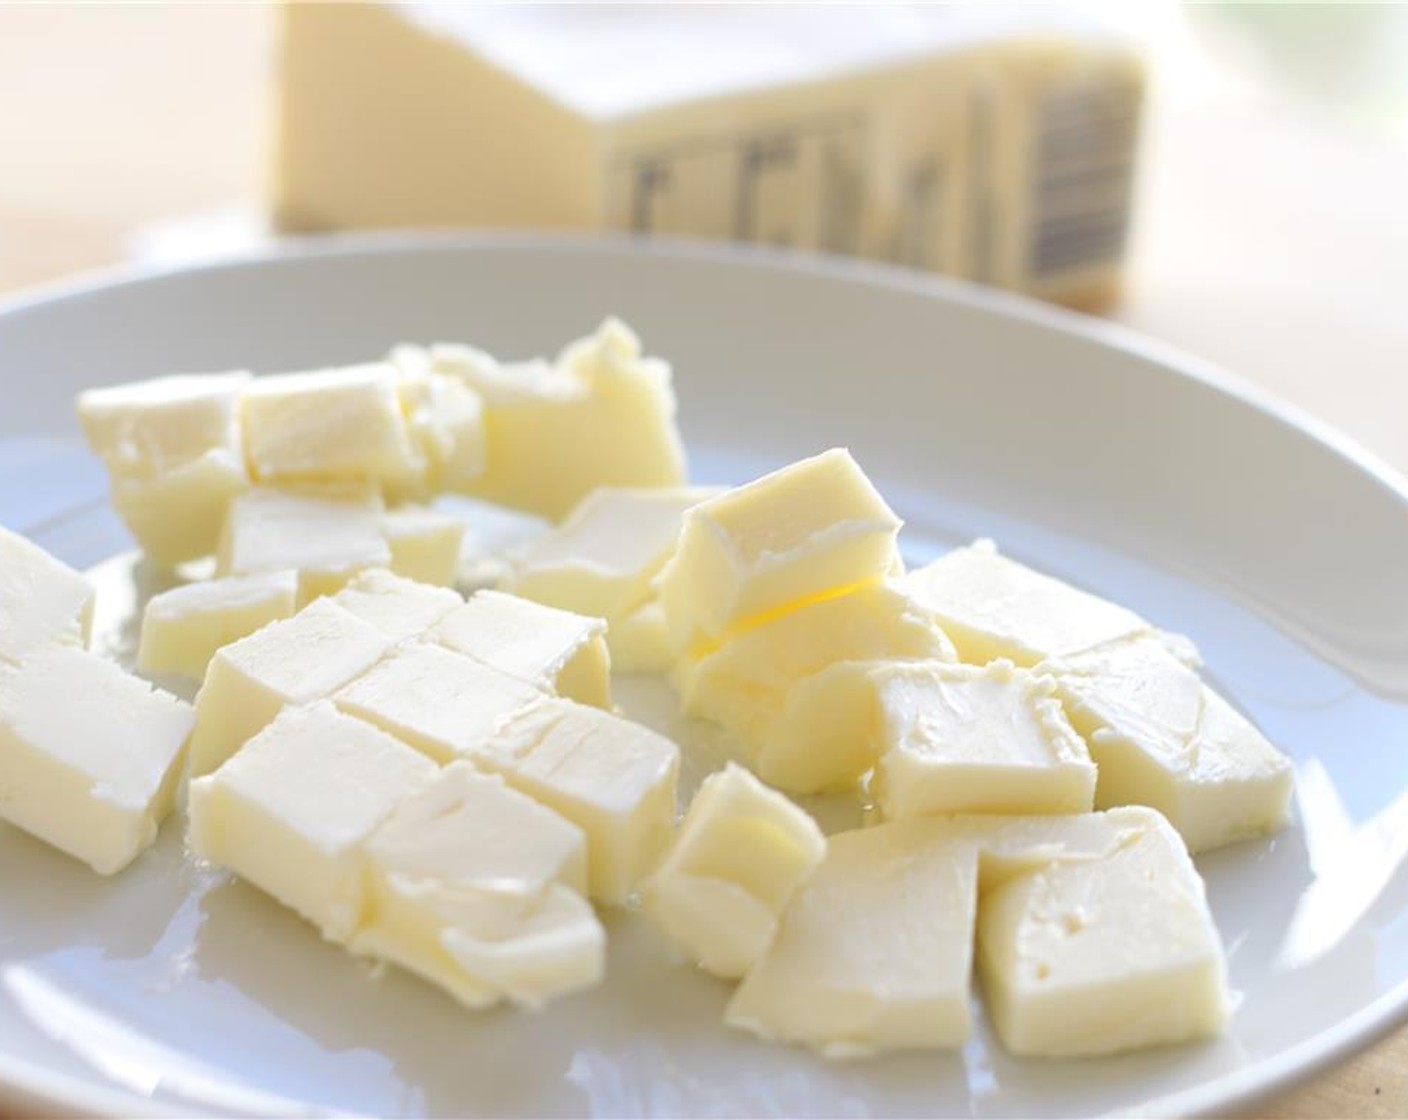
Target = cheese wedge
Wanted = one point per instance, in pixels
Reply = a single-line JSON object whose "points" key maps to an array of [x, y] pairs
{"points": [[42, 600], [741, 853], [400, 608], [183, 628], [425, 543], [93, 778]]}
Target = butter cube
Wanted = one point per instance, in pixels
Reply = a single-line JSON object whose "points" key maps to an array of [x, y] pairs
{"points": [[1089, 956], [330, 425], [89, 755], [640, 642], [477, 888], [425, 544], [994, 607], [42, 600], [178, 515], [741, 853], [806, 530], [557, 651], [292, 810], [612, 778], [603, 415], [400, 608], [1161, 737], [442, 703], [294, 661], [183, 628], [744, 684], [446, 421], [875, 950], [325, 536]]}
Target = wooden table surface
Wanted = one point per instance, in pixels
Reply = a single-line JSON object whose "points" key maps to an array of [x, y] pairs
{"points": [[1266, 241]]}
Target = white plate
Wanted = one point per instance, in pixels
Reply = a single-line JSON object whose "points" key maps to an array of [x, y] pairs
{"points": [[1096, 455]]}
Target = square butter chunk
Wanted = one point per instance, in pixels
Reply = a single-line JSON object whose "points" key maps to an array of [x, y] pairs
{"points": [[1105, 953], [327, 425], [477, 888], [992, 606], [293, 661], [446, 421], [802, 531], [442, 703], [326, 536], [89, 755], [179, 515], [42, 600], [614, 779], [640, 642], [293, 809], [741, 853], [183, 628], [554, 650], [398, 607], [1162, 737], [425, 543], [875, 950]]}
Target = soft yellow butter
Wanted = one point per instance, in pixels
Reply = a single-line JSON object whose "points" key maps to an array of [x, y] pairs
{"points": [[178, 515], [445, 418], [640, 642], [425, 543], [183, 628], [398, 607], [42, 600]]}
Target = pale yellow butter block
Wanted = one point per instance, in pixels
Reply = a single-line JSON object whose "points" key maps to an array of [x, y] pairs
{"points": [[477, 888], [800, 532], [446, 420], [1093, 956], [602, 415], [294, 661], [328, 425], [425, 544], [442, 703], [992, 606], [178, 515], [326, 536], [554, 650], [875, 951], [614, 779], [291, 811], [400, 608], [183, 628], [89, 755], [42, 600], [1161, 737], [640, 642], [741, 853]]}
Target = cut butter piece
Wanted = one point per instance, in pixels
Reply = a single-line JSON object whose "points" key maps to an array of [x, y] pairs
{"points": [[614, 779], [640, 642], [183, 628], [741, 853], [291, 811], [1161, 737], [293, 661], [800, 532], [89, 755], [42, 600], [555, 650], [400, 608], [425, 543], [179, 515], [446, 422]]}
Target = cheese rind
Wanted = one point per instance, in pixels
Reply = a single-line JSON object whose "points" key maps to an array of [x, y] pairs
{"points": [[94, 778], [425, 544], [398, 607], [741, 852], [183, 628], [42, 600]]}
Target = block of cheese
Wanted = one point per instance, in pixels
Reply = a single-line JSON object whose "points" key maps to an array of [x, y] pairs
{"points": [[875, 950], [294, 661], [326, 536], [398, 607], [992, 142], [554, 650], [602, 415], [1162, 737], [291, 811], [1091, 956], [182, 628], [640, 642], [42, 600], [992, 606], [331, 425], [612, 778], [442, 703], [178, 515], [89, 755], [446, 421], [744, 684], [478, 889], [741, 853], [787, 537], [425, 543]]}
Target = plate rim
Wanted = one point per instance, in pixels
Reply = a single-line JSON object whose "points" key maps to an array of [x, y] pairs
{"points": [[33, 1087]]}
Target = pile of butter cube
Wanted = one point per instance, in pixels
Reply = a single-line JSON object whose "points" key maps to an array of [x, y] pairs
{"points": [[443, 783]]}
